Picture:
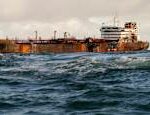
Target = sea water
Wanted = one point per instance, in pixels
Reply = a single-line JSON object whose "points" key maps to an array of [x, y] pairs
{"points": [[75, 83]]}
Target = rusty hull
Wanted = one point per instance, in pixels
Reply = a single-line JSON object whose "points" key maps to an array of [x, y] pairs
{"points": [[63, 45]]}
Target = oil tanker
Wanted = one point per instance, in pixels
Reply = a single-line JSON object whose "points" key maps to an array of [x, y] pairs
{"points": [[113, 39]]}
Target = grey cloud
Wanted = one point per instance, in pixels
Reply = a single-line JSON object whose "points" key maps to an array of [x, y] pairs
{"points": [[54, 10]]}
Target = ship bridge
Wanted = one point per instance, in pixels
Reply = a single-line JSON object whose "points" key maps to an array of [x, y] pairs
{"points": [[111, 32], [115, 33]]}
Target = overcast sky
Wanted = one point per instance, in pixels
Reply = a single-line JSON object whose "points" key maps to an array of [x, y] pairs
{"points": [[81, 18]]}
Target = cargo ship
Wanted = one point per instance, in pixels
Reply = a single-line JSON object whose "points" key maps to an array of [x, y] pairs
{"points": [[113, 39]]}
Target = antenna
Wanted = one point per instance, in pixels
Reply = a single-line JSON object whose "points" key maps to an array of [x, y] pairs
{"points": [[116, 20]]}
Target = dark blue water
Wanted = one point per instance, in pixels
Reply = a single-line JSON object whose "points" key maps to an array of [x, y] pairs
{"points": [[71, 84]]}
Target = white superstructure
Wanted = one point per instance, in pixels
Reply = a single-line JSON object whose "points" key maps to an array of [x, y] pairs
{"points": [[113, 33]]}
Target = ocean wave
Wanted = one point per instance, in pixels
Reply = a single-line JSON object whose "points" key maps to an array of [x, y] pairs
{"points": [[80, 83]]}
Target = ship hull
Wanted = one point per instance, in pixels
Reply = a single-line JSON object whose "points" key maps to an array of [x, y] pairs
{"points": [[69, 46], [137, 46]]}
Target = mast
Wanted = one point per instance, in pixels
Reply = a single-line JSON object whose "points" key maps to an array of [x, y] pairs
{"points": [[36, 35], [55, 32]]}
